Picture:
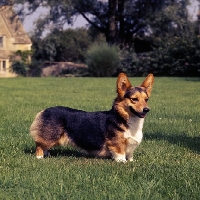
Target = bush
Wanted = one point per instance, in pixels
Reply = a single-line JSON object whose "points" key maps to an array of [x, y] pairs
{"points": [[176, 57], [35, 68], [18, 67], [102, 60]]}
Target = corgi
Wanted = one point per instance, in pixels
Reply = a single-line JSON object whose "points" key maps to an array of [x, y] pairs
{"points": [[115, 133]]}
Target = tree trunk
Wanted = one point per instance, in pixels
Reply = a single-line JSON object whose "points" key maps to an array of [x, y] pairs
{"points": [[112, 22], [121, 20]]}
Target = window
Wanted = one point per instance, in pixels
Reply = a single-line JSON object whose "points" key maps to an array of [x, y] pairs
{"points": [[4, 66], [1, 41]]}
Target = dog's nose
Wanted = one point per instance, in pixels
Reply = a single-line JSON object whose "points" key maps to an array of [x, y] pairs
{"points": [[146, 110]]}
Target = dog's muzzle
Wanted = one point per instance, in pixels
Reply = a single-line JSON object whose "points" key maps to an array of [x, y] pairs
{"points": [[140, 114]]}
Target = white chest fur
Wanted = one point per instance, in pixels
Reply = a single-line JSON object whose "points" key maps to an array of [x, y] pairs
{"points": [[135, 129]]}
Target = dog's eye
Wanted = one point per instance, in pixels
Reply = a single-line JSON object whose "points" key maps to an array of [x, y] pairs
{"points": [[134, 99], [146, 100]]}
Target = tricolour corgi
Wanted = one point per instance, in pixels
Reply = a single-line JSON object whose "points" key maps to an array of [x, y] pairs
{"points": [[115, 133]]}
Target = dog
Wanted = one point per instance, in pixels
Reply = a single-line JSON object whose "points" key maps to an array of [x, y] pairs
{"points": [[115, 133]]}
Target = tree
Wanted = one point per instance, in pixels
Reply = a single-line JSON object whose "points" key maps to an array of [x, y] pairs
{"points": [[61, 46], [118, 20], [6, 2], [159, 27]]}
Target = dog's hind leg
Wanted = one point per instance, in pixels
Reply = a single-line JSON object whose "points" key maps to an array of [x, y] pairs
{"points": [[41, 150], [43, 147]]}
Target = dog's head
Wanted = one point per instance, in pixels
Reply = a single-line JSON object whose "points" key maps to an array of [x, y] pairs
{"points": [[132, 101]]}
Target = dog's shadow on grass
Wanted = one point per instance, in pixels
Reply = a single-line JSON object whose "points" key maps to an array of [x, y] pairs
{"points": [[192, 143], [61, 152], [58, 152]]}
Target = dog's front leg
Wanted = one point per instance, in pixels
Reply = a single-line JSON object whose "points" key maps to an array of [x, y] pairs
{"points": [[130, 147], [117, 151], [118, 157]]}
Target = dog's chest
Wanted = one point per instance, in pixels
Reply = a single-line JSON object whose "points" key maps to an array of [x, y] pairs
{"points": [[135, 129]]}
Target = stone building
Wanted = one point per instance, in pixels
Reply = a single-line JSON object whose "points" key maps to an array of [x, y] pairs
{"points": [[12, 38]]}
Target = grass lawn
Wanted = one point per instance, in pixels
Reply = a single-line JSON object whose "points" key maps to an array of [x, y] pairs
{"points": [[166, 164]]}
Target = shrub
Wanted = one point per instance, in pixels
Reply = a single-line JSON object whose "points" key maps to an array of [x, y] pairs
{"points": [[129, 62], [102, 60], [19, 68], [34, 68], [176, 57]]}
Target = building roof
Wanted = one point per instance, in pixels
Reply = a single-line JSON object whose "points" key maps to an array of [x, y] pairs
{"points": [[14, 25]]}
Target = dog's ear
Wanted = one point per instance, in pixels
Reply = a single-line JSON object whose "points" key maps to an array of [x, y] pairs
{"points": [[123, 84], [148, 83]]}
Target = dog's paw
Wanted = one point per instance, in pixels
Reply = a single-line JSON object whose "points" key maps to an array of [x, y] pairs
{"points": [[122, 160], [130, 159], [39, 157], [118, 157], [46, 153]]}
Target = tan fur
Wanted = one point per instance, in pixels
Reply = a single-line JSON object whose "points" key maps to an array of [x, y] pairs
{"points": [[35, 125], [41, 144], [148, 83], [117, 144], [64, 140], [122, 85]]}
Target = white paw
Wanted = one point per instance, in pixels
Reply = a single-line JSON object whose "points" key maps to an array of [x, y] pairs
{"points": [[39, 157], [121, 160], [119, 157], [130, 159]]}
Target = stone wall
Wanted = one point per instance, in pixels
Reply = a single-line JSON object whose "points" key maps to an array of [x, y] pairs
{"points": [[64, 69]]}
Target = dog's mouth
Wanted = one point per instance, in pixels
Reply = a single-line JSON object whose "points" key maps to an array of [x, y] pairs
{"points": [[139, 114]]}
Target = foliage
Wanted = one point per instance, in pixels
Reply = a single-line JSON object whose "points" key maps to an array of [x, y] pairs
{"points": [[34, 68], [159, 31], [73, 45], [21, 62], [19, 67], [117, 20], [102, 60], [177, 56], [166, 164], [6, 2], [23, 65], [129, 62], [175, 46], [61, 46], [24, 56]]}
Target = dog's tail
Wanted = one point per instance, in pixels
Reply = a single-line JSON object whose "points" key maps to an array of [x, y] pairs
{"points": [[34, 129]]}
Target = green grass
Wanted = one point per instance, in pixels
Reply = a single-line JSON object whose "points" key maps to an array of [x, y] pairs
{"points": [[166, 164]]}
